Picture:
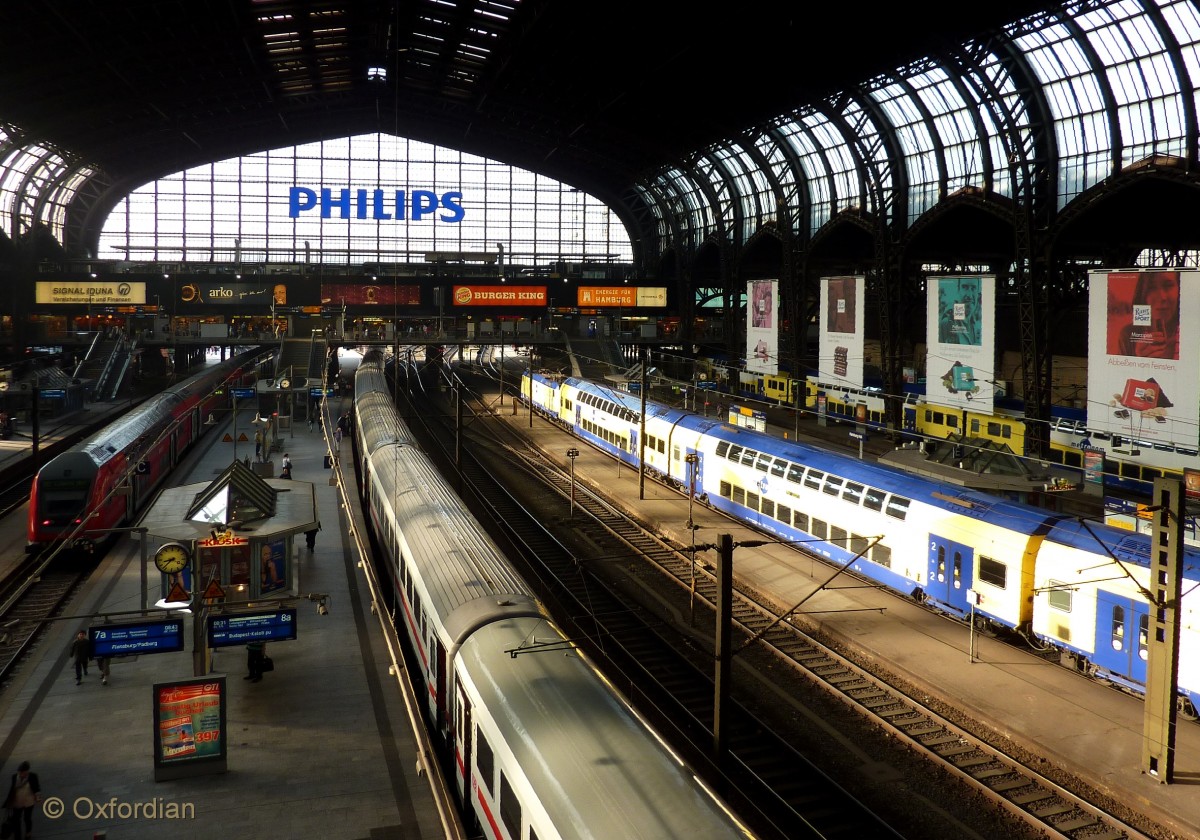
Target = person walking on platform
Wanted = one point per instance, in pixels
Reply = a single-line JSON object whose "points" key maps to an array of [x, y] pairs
{"points": [[102, 663], [81, 651], [256, 653], [286, 471], [24, 794], [310, 537]]}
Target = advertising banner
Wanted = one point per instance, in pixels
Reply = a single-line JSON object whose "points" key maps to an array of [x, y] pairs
{"points": [[621, 296], [188, 719], [499, 295], [960, 338], [841, 343], [369, 294], [1143, 366], [762, 326], [90, 292], [234, 294]]}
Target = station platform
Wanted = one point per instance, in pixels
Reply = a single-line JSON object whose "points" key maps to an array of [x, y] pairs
{"points": [[1090, 730], [323, 746]]}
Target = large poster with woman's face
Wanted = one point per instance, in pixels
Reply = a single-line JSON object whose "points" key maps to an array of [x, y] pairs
{"points": [[1142, 364]]}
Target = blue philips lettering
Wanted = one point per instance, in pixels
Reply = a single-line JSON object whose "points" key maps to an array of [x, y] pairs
{"points": [[424, 202], [327, 203], [300, 199], [376, 204], [451, 201], [377, 211]]}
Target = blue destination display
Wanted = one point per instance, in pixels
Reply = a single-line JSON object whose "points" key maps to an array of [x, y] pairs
{"points": [[243, 393], [162, 636], [320, 392], [273, 626]]}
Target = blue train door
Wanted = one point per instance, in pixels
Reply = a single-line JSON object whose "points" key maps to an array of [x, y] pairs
{"points": [[950, 575], [1122, 628]]}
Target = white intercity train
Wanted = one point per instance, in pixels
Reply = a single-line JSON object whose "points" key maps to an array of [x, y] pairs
{"points": [[541, 744]]}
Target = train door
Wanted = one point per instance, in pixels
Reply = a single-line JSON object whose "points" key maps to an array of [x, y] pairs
{"points": [[439, 681], [1122, 628], [950, 576], [462, 743]]}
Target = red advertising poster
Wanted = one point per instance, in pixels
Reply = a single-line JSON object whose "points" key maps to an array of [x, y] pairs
{"points": [[369, 294], [499, 295], [189, 724], [1143, 314]]}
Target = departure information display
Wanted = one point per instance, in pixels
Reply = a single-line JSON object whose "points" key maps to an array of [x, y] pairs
{"points": [[161, 636], [273, 626]]}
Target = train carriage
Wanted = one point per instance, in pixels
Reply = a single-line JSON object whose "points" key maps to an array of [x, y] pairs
{"points": [[1092, 604], [138, 450], [1008, 565], [539, 743]]}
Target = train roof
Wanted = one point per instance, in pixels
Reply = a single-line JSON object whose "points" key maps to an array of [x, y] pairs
{"points": [[570, 733], [1127, 546], [949, 497], [149, 417], [379, 422]]}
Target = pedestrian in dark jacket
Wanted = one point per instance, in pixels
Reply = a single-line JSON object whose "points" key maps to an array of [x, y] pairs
{"points": [[81, 652], [24, 794]]}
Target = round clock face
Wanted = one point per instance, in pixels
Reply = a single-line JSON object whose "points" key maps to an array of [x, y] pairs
{"points": [[171, 558]]}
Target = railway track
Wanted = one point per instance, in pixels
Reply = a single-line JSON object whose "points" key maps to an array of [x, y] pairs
{"points": [[999, 777]]}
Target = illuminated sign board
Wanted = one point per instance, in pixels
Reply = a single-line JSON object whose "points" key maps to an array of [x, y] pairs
{"points": [[189, 728], [165, 636], [234, 293], [370, 294], [90, 292], [273, 626], [632, 296], [499, 295]]}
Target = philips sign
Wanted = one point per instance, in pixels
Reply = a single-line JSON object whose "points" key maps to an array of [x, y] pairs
{"points": [[376, 204]]}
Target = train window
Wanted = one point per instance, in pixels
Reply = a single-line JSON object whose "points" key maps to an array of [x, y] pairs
{"points": [[952, 421], [722, 448], [779, 468], [735, 453], [974, 426], [751, 501], [957, 570], [814, 479], [819, 529], [1059, 596], [510, 807], [800, 521], [767, 508], [1118, 628], [1144, 636], [833, 485], [726, 490], [993, 429], [749, 456], [1150, 473], [783, 513], [837, 536], [764, 462], [858, 543], [873, 498], [897, 506], [484, 760], [882, 555], [795, 473], [993, 572], [940, 574], [662, 446], [853, 492], [739, 495]]}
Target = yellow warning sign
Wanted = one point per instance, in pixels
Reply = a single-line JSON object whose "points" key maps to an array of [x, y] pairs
{"points": [[242, 438], [227, 439], [178, 594], [214, 590]]}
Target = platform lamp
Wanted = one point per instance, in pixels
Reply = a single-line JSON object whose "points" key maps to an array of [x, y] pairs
{"points": [[572, 454]]}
